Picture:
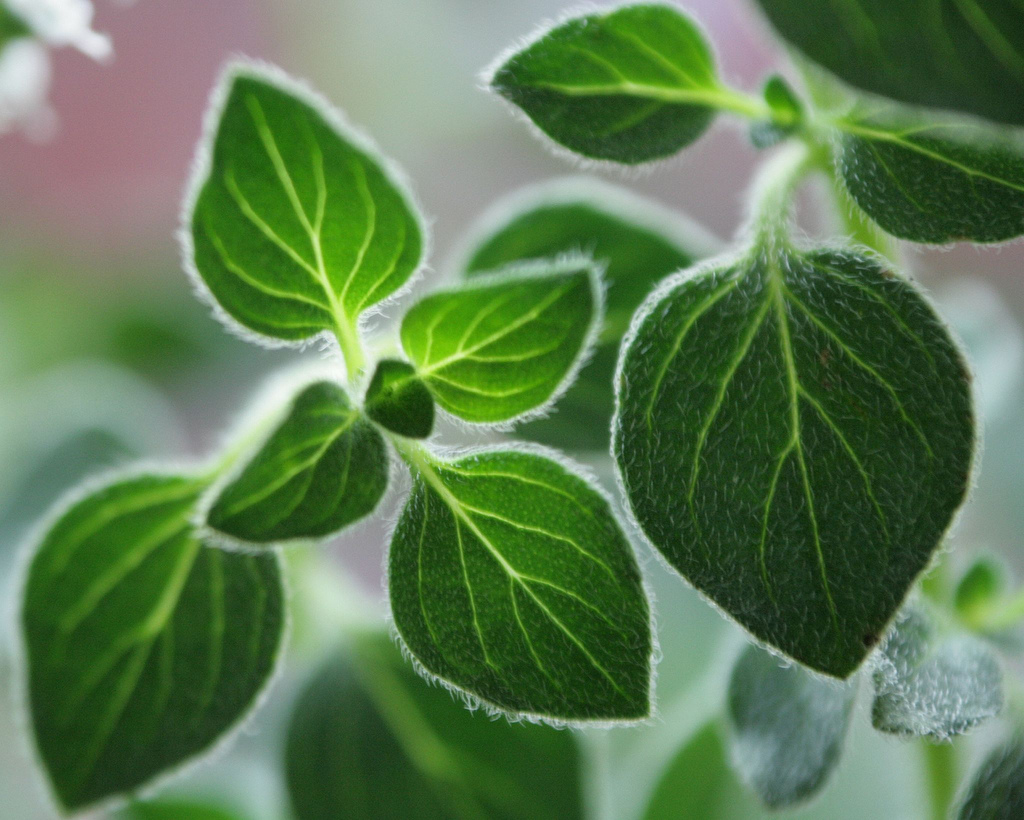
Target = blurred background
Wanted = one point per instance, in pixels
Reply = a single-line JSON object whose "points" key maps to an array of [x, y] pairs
{"points": [[106, 356]]}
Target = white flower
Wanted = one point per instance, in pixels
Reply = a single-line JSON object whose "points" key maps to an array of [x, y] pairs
{"points": [[63, 23]]}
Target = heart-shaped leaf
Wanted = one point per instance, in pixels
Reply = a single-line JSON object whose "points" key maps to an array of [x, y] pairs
{"points": [[794, 433]]}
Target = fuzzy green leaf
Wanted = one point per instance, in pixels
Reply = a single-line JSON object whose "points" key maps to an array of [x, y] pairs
{"points": [[143, 645], [511, 579], [369, 740], [507, 345], [794, 433], [323, 468], [787, 727], [996, 791], [965, 55], [296, 227], [630, 85], [398, 401], [638, 242], [934, 182], [934, 685]]}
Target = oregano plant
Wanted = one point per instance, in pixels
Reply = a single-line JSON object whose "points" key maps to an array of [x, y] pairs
{"points": [[789, 418]]}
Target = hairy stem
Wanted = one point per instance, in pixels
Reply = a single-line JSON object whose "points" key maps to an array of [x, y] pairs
{"points": [[941, 776], [774, 188]]}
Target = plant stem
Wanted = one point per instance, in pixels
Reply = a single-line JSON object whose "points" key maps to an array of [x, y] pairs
{"points": [[773, 190], [940, 769], [351, 349]]}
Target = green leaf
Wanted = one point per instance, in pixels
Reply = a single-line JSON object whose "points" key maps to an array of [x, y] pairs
{"points": [[638, 242], [12, 27], [511, 579], [323, 468], [996, 791], [398, 401], [507, 345], [295, 225], [794, 433], [788, 727], [966, 55], [983, 584], [632, 84], [935, 182], [698, 783], [143, 646], [787, 113], [369, 740], [176, 810], [933, 685]]}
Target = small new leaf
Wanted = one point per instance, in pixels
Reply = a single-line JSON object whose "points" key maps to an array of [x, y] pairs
{"points": [[506, 345], [638, 243], [369, 740], [794, 433], [934, 181], [981, 589], [511, 579], [296, 226], [323, 468], [965, 55], [787, 727], [997, 790], [630, 85], [786, 114], [143, 646], [398, 401], [934, 685]]}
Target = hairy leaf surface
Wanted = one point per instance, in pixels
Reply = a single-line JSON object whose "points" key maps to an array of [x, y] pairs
{"points": [[505, 345], [511, 579], [966, 55], [794, 433], [632, 84], [143, 646], [934, 685], [638, 242], [788, 727], [369, 740], [397, 400], [997, 790], [297, 227], [323, 468], [932, 181]]}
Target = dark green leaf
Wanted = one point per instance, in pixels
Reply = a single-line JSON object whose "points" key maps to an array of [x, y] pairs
{"points": [[699, 784], [786, 114], [296, 227], [11, 26], [794, 434], [323, 468], [511, 579], [632, 84], [369, 740], [788, 727], [934, 182], [397, 400], [508, 344], [143, 646], [966, 55], [933, 685], [981, 586], [640, 244], [997, 789]]}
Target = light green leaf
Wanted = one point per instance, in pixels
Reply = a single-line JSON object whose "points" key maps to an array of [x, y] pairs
{"points": [[323, 468], [996, 791], [927, 684], [398, 401], [143, 646], [794, 433], [786, 114], [698, 783], [508, 345], [369, 740], [295, 226], [788, 727], [176, 810], [638, 242], [966, 55], [932, 181], [511, 579], [631, 84], [979, 589]]}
